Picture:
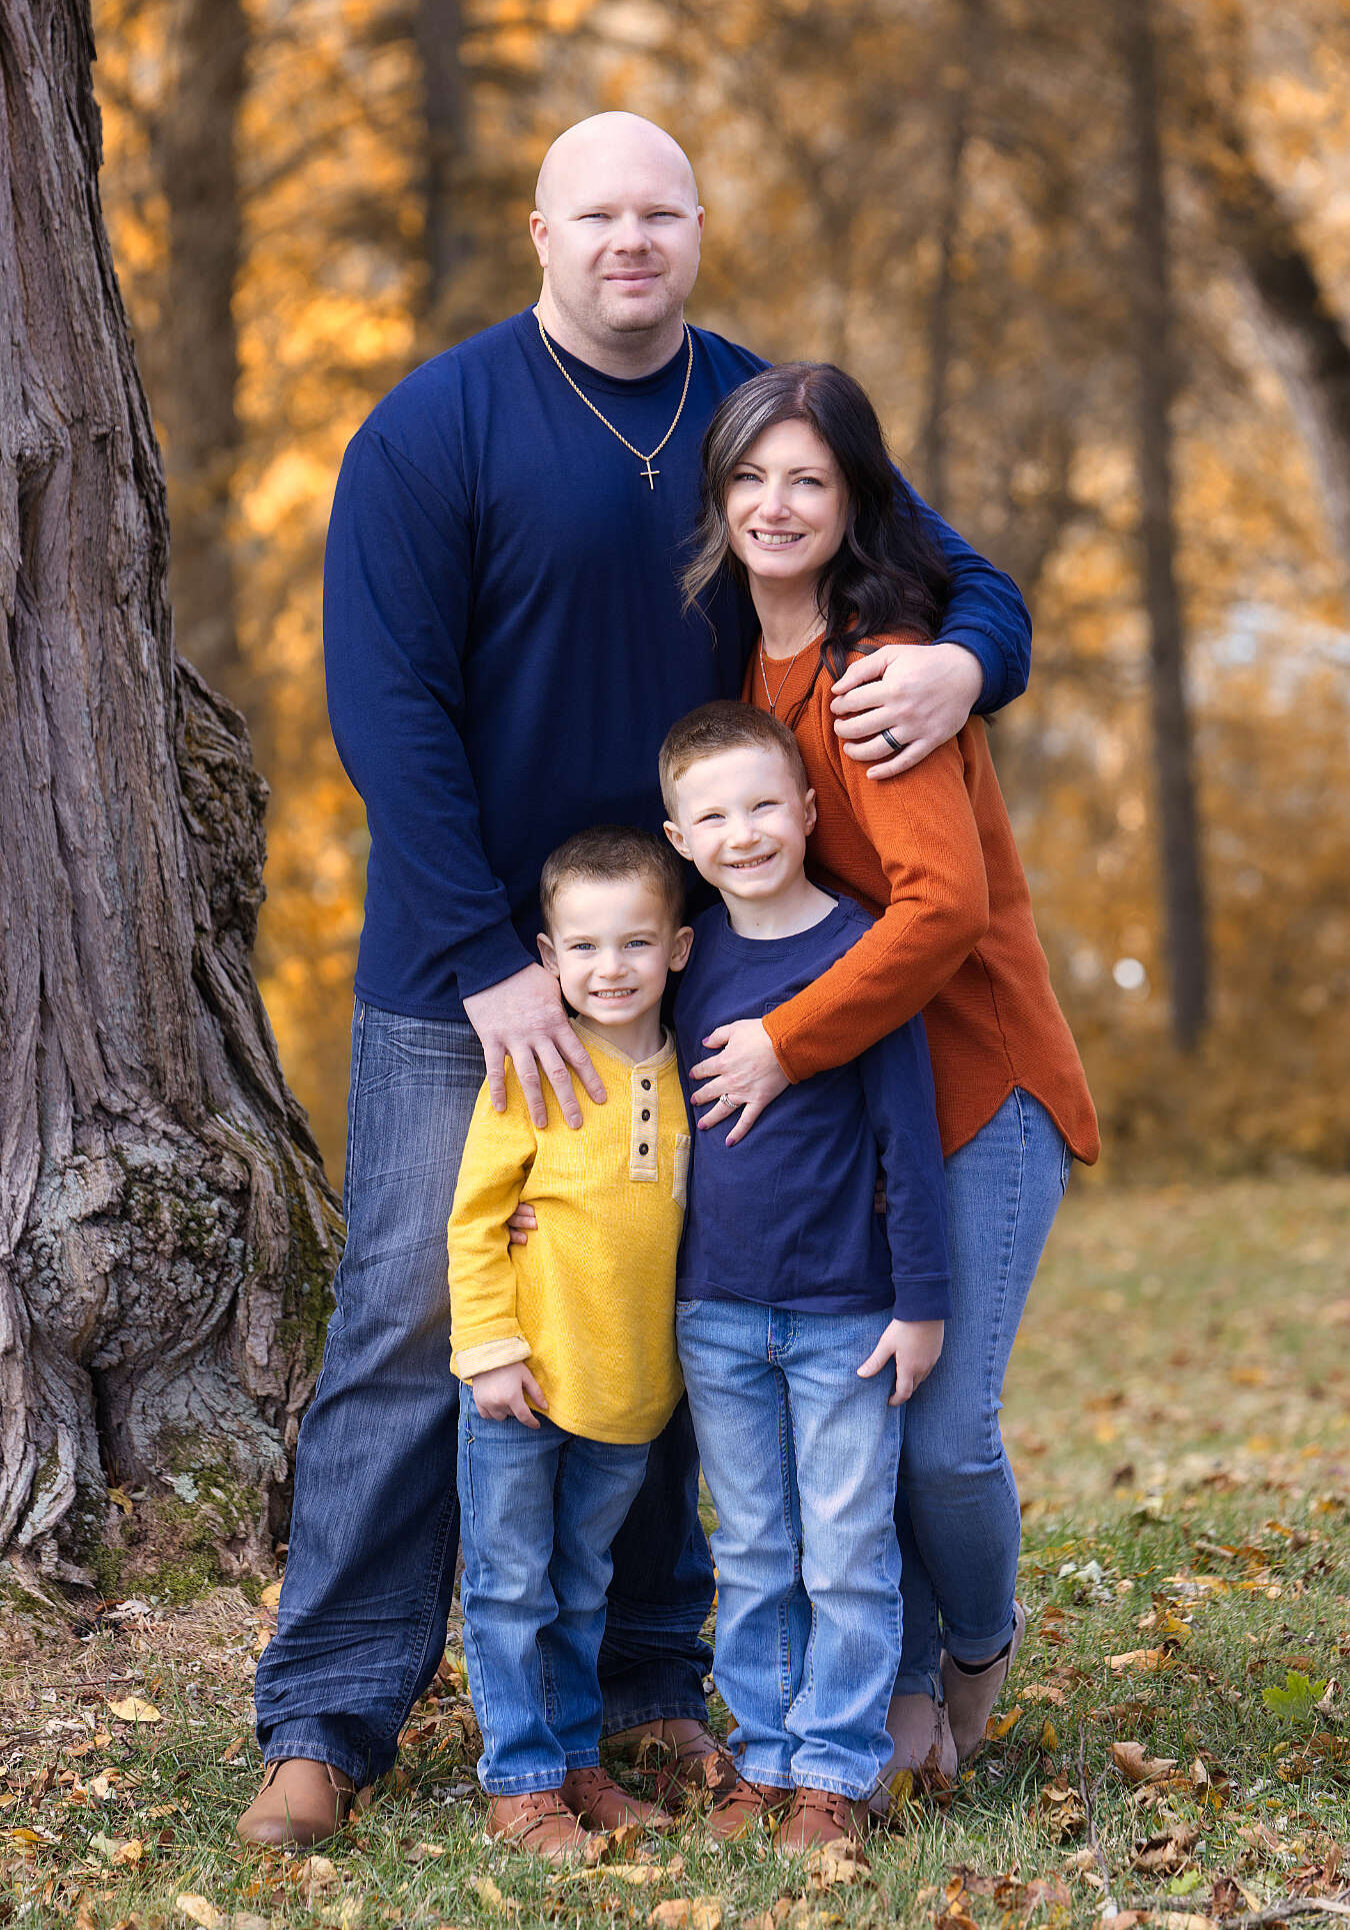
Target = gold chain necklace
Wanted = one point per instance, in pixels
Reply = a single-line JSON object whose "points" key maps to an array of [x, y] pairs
{"points": [[650, 473], [774, 695]]}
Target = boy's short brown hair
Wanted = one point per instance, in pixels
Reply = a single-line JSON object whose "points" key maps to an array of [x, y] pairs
{"points": [[724, 726], [613, 852]]}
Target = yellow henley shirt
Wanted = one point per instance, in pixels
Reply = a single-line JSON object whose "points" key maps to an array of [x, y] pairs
{"points": [[589, 1301]]}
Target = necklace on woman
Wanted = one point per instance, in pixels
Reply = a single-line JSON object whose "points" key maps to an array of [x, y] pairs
{"points": [[774, 695], [649, 473]]}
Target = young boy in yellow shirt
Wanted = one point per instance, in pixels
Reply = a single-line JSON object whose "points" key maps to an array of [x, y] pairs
{"points": [[568, 1341]]}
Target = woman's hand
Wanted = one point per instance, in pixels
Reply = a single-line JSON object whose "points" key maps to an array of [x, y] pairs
{"points": [[922, 693], [914, 1346], [744, 1072]]}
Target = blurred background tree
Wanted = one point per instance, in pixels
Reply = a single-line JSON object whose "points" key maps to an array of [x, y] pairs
{"points": [[1094, 266]]}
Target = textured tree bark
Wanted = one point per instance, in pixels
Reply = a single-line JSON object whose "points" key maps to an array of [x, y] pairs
{"points": [[166, 1234], [199, 373], [1187, 941]]}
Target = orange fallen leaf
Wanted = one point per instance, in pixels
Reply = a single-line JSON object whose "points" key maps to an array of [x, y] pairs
{"points": [[687, 1913], [271, 1595], [199, 1910], [1005, 1724], [1136, 1767]]}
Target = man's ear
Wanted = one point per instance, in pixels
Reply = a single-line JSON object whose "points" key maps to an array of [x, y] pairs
{"points": [[677, 838], [809, 812], [539, 236], [679, 951], [547, 953]]}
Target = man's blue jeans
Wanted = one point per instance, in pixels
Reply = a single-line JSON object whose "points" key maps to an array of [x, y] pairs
{"points": [[800, 1458], [375, 1520], [957, 1511], [539, 1509]]}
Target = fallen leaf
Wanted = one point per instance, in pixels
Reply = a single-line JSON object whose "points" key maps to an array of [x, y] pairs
{"points": [[1049, 1737], [129, 1852], [604, 1845], [1136, 1767], [1044, 1692], [105, 1845], [1138, 1659], [832, 1863], [423, 1852], [1297, 1700], [318, 1873], [1005, 1724], [133, 1709], [687, 1913], [487, 1892], [271, 1595], [246, 1920], [1165, 1854], [199, 1910]]}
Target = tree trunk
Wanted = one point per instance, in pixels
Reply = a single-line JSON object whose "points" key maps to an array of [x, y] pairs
{"points": [[933, 434], [199, 362], [166, 1234], [1307, 343], [438, 30], [1187, 943]]}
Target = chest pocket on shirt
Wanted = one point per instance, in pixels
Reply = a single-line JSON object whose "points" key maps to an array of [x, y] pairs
{"points": [[679, 1181]]}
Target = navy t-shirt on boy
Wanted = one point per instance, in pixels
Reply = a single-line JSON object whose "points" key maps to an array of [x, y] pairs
{"points": [[786, 1216]]}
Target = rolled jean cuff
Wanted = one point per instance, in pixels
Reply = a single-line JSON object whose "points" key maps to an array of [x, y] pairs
{"points": [[306, 1742], [973, 1650], [526, 1785]]}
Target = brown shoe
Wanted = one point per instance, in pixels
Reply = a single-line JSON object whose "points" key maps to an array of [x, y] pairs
{"points": [[300, 1802], [685, 1756], [539, 1821], [819, 1817], [743, 1806], [597, 1801], [970, 1697]]}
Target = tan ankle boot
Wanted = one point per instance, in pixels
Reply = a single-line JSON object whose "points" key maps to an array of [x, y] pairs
{"points": [[970, 1698], [300, 1802]]}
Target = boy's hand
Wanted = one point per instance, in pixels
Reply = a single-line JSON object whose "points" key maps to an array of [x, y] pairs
{"points": [[914, 1346], [523, 1222], [921, 692], [502, 1391], [745, 1072]]}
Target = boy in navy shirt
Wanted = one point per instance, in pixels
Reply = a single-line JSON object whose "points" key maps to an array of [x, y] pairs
{"points": [[795, 1298]]}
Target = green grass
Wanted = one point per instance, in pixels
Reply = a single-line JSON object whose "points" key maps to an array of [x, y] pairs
{"points": [[1178, 1418]]}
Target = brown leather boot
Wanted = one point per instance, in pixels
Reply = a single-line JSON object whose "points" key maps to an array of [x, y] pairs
{"points": [[970, 1697], [539, 1821], [685, 1756], [597, 1801], [820, 1816], [300, 1802], [743, 1806]]}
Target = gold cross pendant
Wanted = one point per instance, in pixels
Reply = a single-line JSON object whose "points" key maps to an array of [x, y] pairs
{"points": [[650, 473]]}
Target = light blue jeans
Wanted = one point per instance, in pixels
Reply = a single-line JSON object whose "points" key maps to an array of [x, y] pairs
{"points": [[799, 1455], [538, 1511], [375, 1521], [957, 1512]]}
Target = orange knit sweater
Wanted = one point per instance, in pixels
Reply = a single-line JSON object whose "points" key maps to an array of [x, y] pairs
{"points": [[931, 854]]}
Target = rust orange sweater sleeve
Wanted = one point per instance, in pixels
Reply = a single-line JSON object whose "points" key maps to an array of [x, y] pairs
{"points": [[923, 831]]}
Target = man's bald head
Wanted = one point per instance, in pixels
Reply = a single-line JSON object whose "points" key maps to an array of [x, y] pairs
{"points": [[604, 142], [617, 227]]}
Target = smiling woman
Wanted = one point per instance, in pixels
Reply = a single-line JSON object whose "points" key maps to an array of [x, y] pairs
{"points": [[801, 506]]}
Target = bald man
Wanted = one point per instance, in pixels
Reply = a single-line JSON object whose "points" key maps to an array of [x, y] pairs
{"points": [[505, 650]]}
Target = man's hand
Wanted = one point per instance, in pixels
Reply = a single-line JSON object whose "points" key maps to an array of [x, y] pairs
{"points": [[921, 692], [745, 1072], [914, 1346], [522, 1019], [502, 1391]]}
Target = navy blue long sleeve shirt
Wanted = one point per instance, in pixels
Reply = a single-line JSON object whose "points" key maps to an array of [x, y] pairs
{"points": [[786, 1217], [504, 643]]}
